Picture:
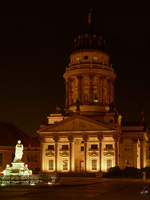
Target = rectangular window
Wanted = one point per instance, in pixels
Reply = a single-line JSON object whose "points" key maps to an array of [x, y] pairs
{"points": [[51, 164], [94, 147], [94, 164], [65, 147], [82, 148], [109, 164], [109, 147], [50, 147], [1, 159], [65, 164]]}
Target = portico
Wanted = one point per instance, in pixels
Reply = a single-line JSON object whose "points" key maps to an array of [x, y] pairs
{"points": [[78, 148]]}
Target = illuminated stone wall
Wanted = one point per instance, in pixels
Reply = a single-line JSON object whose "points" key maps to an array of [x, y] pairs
{"points": [[82, 155]]}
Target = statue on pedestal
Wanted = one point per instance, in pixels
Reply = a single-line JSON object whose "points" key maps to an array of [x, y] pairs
{"points": [[18, 152]]}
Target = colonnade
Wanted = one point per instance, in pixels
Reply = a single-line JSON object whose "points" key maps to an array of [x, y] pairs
{"points": [[77, 88], [70, 153]]}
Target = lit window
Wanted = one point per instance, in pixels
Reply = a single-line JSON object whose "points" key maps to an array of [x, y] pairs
{"points": [[65, 147], [94, 146], [109, 164], [95, 98], [65, 164], [50, 147], [82, 148], [94, 164], [95, 58], [109, 146], [51, 164]]}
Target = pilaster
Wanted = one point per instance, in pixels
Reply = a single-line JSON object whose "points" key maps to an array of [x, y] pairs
{"points": [[141, 153], [116, 139]]}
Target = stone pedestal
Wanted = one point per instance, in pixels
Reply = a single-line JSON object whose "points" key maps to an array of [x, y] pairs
{"points": [[17, 169]]}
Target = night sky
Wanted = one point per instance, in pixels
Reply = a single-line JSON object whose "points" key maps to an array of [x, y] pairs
{"points": [[35, 48]]}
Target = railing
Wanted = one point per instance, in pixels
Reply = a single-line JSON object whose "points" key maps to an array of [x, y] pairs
{"points": [[92, 66]]}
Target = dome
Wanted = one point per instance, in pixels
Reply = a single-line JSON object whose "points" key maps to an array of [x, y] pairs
{"points": [[89, 39], [11, 134]]}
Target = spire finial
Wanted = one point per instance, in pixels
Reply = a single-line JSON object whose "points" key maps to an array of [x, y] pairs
{"points": [[90, 16]]}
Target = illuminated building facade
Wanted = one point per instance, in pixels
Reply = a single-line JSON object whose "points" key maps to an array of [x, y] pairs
{"points": [[90, 137]]}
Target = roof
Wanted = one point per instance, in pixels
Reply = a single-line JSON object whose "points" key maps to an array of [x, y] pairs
{"points": [[134, 125], [76, 123], [10, 134]]}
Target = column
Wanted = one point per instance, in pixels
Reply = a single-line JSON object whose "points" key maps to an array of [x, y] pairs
{"points": [[56, 152], [42, 155], [79, 88], [135, 152], [104, 91], [112, 91], [100, 152], [85, 153], [116, 139], [91, 89], [70, 155], [141, 153], [100, 90]]}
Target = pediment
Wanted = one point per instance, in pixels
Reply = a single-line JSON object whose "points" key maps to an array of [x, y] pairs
{"points": [[78, 123]]}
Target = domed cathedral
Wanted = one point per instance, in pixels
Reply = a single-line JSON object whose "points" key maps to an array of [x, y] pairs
{"points": [[90, 137], [89, 76]]}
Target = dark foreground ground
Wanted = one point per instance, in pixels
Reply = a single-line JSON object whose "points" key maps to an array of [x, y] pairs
{"points": [[80, 189]]}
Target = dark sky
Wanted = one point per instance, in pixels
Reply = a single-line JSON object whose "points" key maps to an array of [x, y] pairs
{"points": [[34, 50]]}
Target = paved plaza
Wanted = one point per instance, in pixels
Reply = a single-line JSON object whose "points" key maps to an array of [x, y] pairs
{"points": [[80, 189]]}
